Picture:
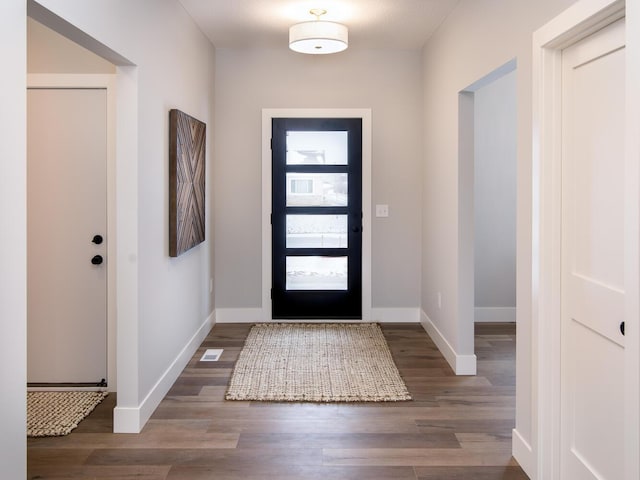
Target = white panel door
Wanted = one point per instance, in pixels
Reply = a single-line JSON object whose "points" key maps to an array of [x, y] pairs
{"points": [[66, 205], [592, 359]]}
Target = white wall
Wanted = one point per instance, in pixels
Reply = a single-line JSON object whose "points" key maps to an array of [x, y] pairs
{"points": [[477, 37], [495, 174], [13, 238], [174, 66], [388, 82], [50, 52]]}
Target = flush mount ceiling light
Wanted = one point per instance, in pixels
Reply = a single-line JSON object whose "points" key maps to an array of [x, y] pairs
{"points": [[318, 37]]}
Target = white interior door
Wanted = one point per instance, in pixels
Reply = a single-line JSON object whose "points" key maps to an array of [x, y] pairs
{"points": [[592, 344], [66, 204]]}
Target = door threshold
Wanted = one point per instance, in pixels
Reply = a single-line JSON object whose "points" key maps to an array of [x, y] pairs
{"points": [[67, 387], [318, 320]]}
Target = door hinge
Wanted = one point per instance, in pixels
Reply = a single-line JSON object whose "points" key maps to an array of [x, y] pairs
{"points": [[271, 144], [271, 218], [271, 294]]}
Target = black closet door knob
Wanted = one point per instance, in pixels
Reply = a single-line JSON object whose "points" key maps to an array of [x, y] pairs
{"points": [[97, 239], [96, 260], [622, 328]]}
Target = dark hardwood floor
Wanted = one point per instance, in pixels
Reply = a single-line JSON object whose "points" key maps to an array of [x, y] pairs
{"points": [[455, 428]]}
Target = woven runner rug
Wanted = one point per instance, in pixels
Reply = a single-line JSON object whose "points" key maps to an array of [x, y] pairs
{"points": [[53, 414], [316, 363]]}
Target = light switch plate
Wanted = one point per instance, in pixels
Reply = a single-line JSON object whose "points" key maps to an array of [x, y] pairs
{"points": [[382, 210]]}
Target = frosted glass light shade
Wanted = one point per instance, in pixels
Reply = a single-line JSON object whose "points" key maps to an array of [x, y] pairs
{"points": [[318, 37]]}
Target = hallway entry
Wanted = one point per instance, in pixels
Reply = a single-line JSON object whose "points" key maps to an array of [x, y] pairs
{"points": [[487, 199]]}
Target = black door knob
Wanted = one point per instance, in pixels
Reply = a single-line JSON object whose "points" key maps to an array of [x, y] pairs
{"points": [[97, 239], [96, 260], [622, 328]]}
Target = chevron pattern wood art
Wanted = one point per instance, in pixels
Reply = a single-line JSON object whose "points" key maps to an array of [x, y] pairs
{"points": [[187, 146]]}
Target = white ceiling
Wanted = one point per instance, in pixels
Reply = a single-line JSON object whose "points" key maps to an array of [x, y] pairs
{"points": [[395, 24]]}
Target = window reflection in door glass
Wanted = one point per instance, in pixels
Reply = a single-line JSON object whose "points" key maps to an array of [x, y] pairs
{"points": [[317, 148], [317, 231], [316, 273], [316, 189]]}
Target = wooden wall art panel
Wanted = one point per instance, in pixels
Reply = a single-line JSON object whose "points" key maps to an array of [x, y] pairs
{"points": [[187, 145]]}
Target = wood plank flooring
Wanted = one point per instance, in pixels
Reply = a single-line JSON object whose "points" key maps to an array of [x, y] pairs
{"points": [[455, 428]]}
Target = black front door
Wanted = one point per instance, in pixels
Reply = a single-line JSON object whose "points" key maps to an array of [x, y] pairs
{"points": [[317, 218]]}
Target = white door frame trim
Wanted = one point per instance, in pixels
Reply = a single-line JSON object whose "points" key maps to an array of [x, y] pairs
{"points": [[577, 22], [108, 83], [267, 115]]}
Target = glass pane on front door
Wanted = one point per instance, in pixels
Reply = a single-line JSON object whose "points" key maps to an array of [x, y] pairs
{"points": [[317, 273], [317, 231], [316, 189], [317, 148]]}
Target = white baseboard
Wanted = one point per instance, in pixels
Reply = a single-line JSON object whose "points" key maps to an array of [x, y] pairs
{"points": [[126, 420], [132, 419], [239, 315], [256, 315], [461, 364], [495, 314], [523, 453], [395, 315]]}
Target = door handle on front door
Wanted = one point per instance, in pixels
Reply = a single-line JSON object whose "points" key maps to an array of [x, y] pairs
{"points": [[96, 260]]}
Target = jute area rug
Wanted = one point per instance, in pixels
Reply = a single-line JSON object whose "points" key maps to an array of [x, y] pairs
{"points": [[53, 414], [316, 363]]}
